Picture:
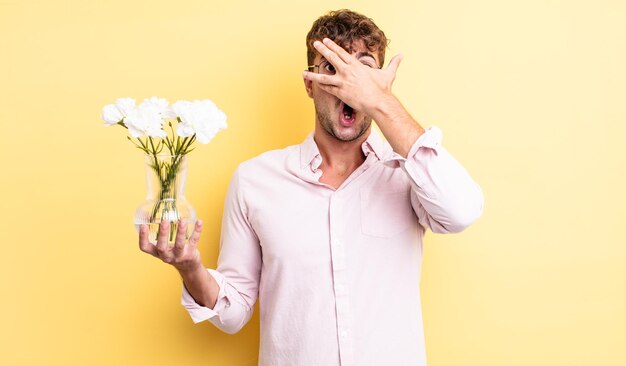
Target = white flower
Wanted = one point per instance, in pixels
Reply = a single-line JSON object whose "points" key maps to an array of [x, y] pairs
{"points": [[146, 119], [201, 117], [162, 105], [112, 114]]}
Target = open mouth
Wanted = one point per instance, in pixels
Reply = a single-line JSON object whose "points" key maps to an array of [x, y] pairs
{"points": [[347, 115]]}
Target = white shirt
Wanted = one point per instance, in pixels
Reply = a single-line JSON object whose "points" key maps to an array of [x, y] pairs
{"points": [[337, 272]]}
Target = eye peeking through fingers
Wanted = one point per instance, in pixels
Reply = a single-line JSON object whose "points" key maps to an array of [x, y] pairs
{"points": [[327, 68]]}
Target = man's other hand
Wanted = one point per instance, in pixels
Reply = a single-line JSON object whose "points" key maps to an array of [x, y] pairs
{"points": [[184, 257]]}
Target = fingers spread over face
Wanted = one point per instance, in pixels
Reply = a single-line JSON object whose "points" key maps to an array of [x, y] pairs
{"points": [[329, 55], [332, 89], [321, 78], [337, 49], [394, 63]]}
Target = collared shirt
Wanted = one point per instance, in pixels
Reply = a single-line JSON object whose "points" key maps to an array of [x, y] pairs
{"points": [[336, 271]]}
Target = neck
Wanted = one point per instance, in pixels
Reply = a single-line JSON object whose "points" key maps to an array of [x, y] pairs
{"points": [[340, 156]]}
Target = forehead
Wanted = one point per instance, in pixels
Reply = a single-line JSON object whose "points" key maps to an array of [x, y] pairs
{"points": [[358, 49]]}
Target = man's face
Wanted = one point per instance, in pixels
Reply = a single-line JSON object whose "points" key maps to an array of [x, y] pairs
{"points": [[336, 118]]}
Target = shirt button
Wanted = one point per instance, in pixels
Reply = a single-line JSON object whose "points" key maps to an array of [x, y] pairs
{"points": [[343, 334], [339, 289], [337, 242]]}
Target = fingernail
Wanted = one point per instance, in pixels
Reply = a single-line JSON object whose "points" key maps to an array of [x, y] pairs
{"points": [[199, 222]]}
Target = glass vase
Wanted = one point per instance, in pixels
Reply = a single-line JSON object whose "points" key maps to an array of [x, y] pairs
{"points": [[165, 179]]}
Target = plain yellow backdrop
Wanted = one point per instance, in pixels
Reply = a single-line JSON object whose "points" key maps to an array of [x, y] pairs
{"points": [[530, 96]]}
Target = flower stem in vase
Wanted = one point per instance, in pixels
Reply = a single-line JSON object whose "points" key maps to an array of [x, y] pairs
{"points": [[166, 203]]}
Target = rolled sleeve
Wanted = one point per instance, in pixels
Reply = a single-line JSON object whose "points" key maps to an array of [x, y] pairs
{"points": [[201, 313], [444, 196], [230, 313], [238, 268]]}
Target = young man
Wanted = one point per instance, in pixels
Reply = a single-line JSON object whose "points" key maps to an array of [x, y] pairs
{"points": [[328, 234]]}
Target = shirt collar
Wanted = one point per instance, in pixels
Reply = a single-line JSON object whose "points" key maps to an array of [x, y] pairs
{"points": [[373, 144]]}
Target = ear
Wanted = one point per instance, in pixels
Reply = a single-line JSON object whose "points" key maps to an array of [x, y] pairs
{"points": [[308, 85]]}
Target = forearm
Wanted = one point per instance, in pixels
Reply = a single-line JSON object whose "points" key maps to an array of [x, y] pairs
{"points": [[201, 285], [395, 122], [444, 196]]}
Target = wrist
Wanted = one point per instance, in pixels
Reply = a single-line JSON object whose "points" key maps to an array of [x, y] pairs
{"points": [[386, 108], [192, 270]]}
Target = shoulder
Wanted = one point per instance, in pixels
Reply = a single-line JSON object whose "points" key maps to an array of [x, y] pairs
{"points": [[269, 163]]}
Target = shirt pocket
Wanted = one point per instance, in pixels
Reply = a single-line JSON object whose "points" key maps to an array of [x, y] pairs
{"points": [[385, 213]]}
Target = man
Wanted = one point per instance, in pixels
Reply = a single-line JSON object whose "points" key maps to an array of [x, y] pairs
{"points": [[328, 233]]}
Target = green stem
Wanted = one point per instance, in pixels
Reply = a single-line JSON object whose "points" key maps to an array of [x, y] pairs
{"points": [[191, 140], [173, 134], [181, 148], [167, 174]]}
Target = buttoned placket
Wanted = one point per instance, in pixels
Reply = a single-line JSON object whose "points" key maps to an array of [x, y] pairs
{"points": [[345, 338], [340, 271], [340, 278]]}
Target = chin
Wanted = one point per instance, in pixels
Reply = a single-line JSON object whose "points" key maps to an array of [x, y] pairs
{"points": [[351, 133]]}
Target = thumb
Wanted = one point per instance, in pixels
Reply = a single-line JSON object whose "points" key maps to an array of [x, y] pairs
{"points": [[394, 63]]}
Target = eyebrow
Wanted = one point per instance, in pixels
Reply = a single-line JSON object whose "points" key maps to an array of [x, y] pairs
{"points": [[358, 56], [365, 54]]}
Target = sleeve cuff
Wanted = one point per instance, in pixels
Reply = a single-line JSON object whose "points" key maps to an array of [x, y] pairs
{"points": [[431, 138], [201, 313], [415, 162]]}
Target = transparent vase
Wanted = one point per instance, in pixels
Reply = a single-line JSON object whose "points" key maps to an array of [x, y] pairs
{"points": [[165, 179]]}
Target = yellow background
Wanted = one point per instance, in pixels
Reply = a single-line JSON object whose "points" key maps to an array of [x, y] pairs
{"points": [[530, 96]]}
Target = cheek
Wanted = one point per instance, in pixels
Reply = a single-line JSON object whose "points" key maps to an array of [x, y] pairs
{"points": [[319, 91], [325, 98]]}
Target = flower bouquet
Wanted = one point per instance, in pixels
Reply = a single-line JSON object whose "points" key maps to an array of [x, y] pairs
{"points": [[166, 169]]}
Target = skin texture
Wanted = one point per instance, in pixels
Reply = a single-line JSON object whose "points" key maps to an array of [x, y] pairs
{"points": [[328, 107], [328, 120], [185, 257], [368, 91]]}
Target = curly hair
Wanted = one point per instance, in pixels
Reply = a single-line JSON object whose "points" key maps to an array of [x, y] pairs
{"points": [[345, 27]]}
